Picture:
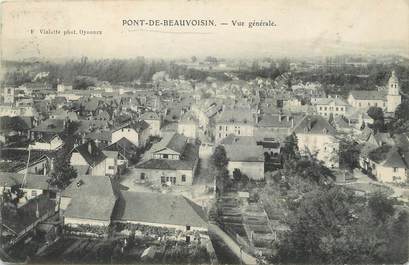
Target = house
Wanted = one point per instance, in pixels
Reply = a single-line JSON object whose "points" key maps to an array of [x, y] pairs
{"points": [[387, 163], [248, 158], [101, 137], [330, 106], [88, 201], [32, 185], [187, 126], [115, 162], [171, 161], [88, 159], [386, 98], [136, 132], [13, 128], [161, 210], [48, 128], [237, 121], [317, 137], [205, 111], [47, 142], [154, 122], [125, 148], [15, 160], [278, 125]]}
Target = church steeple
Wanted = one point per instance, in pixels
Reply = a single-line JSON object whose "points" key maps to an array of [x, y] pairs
{"points": [[393, 84], [393, 97]]}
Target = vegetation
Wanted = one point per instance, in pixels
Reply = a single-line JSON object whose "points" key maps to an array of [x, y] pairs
{"points": [[218, 163], [349, 152], [376, 113], [332, 225]]}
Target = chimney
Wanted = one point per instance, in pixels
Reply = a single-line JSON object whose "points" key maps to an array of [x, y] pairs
{"points": [[89, 147], [288, 118], [292, 123]]}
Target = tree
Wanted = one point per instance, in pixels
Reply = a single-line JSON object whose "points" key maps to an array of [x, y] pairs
{"points": [[349, 152], [333, 225], [218, 163], [219, 158], [290, 149], [402, 111], [377, 115]]}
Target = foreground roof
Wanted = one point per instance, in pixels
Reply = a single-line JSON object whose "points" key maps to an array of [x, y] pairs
{"points": [[159, 208], [93, 197]]}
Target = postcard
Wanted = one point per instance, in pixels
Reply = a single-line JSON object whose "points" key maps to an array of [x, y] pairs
{"points": [[204, 132]]}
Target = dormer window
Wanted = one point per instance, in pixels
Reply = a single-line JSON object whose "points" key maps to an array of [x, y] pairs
{"points": [[325, 130]]}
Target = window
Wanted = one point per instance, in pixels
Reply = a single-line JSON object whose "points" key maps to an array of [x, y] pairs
{"points": [[395, 169], [188, 228], [336, 109], [325, 108], [183, 178], [111, 167], [165, 156], [239, 132], [320, 108], [163, 179], [359, 104], [33, 193], [220, 128], [142, 176]]}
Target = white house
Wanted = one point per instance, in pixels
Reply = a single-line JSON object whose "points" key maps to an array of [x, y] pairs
{"points": [[327, 106], [187, 126], [387, 163], [171, 161], [88, 159], [317, 137], [238, 121], [154, 122], [249, 159], [136, 132]]}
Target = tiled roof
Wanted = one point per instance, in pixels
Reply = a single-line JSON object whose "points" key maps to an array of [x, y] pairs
{"points": [[50, 126], [91, 153], [187, 162], [173, 141], [92, 198], [138, 126], [244, 153], [327, 101], [8, 179], [368, 94], [242, 116], [314, 124], [159, 208]]}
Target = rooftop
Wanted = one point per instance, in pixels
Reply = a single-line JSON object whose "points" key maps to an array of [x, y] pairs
{"points": [[159, 208]]}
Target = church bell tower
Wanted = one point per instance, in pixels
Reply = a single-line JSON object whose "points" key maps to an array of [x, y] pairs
{"points": [[393, 98]]}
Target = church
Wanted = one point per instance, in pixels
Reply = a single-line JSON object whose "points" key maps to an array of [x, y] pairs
{"points": [[386, 98]]}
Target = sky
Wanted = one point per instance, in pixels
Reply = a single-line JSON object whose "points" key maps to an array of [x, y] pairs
{"points": [[304, 27]]}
